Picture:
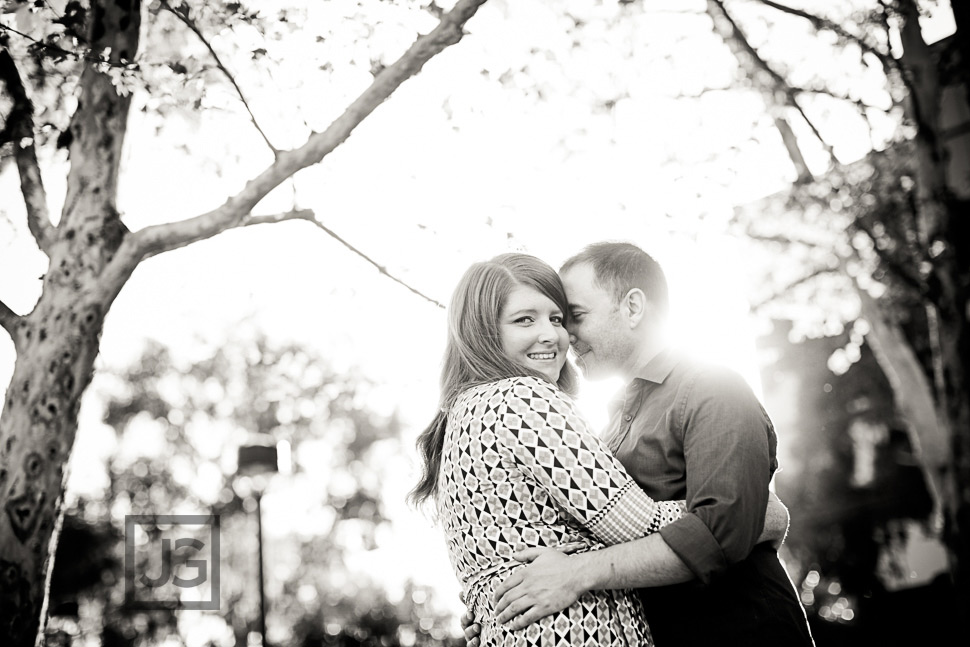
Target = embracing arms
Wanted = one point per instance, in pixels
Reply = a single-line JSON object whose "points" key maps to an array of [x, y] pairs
{"points": [[554, 579], [729, 454]]}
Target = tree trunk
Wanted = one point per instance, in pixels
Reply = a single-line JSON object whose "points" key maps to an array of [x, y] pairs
{"points": [[37, 430], [948, 281], [955, 334], [913, 395], [57, 343]]}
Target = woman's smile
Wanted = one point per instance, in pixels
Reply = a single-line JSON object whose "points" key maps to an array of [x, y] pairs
{"points": [[533, 334]]}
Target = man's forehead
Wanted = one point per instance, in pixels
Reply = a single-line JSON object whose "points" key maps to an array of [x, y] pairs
{"points": [[581, 285], [581, 273]]}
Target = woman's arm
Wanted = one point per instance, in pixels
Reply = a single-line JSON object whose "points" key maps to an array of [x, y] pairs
{"points": [[552, 443]]}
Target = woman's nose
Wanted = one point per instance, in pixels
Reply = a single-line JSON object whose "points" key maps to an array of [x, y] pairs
{"points": [[547, 334]]}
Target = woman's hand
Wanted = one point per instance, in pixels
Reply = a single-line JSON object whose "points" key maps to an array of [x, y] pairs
{"points": [[471, 628]]}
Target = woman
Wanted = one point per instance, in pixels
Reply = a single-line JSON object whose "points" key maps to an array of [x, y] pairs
{"points": [[511, 464]]}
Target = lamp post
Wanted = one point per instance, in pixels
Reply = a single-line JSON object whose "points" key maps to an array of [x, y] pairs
{"points": [[257, 461]]}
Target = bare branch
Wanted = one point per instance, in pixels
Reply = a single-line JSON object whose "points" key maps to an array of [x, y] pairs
{"points": [[159, 238], [272, 219], [705, 91], [9, 320], [826, 24], [794, 150], [729, 29], [20, 132], [183, 14], [911, 79], [308, 215], [860, 105], [780, 292], [785, 240]]}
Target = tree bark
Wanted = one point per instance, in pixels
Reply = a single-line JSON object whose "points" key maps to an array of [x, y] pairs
{"points": [[947, 278], [58, 341], [913, 394]]}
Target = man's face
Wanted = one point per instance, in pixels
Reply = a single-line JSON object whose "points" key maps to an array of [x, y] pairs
{"points": [[597, 331]]}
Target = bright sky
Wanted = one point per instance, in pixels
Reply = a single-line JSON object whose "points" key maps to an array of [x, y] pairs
{"points": [[425, 196]]}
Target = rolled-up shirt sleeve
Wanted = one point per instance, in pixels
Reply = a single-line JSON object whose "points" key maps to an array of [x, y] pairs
{"points": [[729, 449]]}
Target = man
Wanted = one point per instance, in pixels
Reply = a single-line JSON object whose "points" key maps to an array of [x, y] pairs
{"points": [[683, 431]]}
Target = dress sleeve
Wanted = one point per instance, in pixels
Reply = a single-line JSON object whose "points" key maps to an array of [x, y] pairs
{"points": [[552, 442]]}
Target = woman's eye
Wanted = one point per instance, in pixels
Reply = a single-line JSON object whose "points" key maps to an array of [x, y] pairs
{"points": [[556, 319], [524, 320]]}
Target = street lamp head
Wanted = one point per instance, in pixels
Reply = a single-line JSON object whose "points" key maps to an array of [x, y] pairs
{"points": [[256, 463], [257, 459]]}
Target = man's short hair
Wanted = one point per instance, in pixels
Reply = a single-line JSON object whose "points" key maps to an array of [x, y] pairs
{"points": [[620, 267]]}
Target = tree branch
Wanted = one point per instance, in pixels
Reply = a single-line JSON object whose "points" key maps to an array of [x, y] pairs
{"points": [[780, 292], [704, 91], [790, 141], [9, 320], [159, 238], [826, 24], [20, 132], [308, 215], [860, 105], [785, 240], [732, 33], [182, 13]]}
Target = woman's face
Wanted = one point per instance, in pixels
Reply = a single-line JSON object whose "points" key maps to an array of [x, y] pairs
{"points": [[533, 335]]}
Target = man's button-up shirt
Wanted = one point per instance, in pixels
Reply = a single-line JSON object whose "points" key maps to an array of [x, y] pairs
{"points": [[685, 430]]}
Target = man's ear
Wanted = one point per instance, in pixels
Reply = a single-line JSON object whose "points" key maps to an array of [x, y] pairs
{"points": [[634, 306]]}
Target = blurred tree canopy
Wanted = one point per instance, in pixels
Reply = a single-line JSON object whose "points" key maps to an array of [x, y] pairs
{"points": [[176, 427]]}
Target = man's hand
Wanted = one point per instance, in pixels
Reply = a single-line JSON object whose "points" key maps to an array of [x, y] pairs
{"points": [[545, 586], [471, 628]]}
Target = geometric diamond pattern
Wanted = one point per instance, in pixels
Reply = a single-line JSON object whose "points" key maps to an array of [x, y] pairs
{"points": [[520, 468]]}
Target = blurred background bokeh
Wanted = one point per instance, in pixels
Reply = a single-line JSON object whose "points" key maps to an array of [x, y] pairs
{"points": [[788, 163]]}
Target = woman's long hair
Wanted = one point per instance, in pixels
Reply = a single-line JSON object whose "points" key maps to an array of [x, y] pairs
{"points": [[474, 353]]}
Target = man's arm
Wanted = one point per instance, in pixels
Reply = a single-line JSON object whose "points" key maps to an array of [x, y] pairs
{"points": [[729, 459], [554, 580]]}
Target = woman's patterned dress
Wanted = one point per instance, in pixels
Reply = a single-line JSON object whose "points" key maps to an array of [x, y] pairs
{"points": [[521, 469]]}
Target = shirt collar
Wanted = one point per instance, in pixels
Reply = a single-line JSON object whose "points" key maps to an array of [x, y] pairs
{"points": [[656, 371], [658, 368]]}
